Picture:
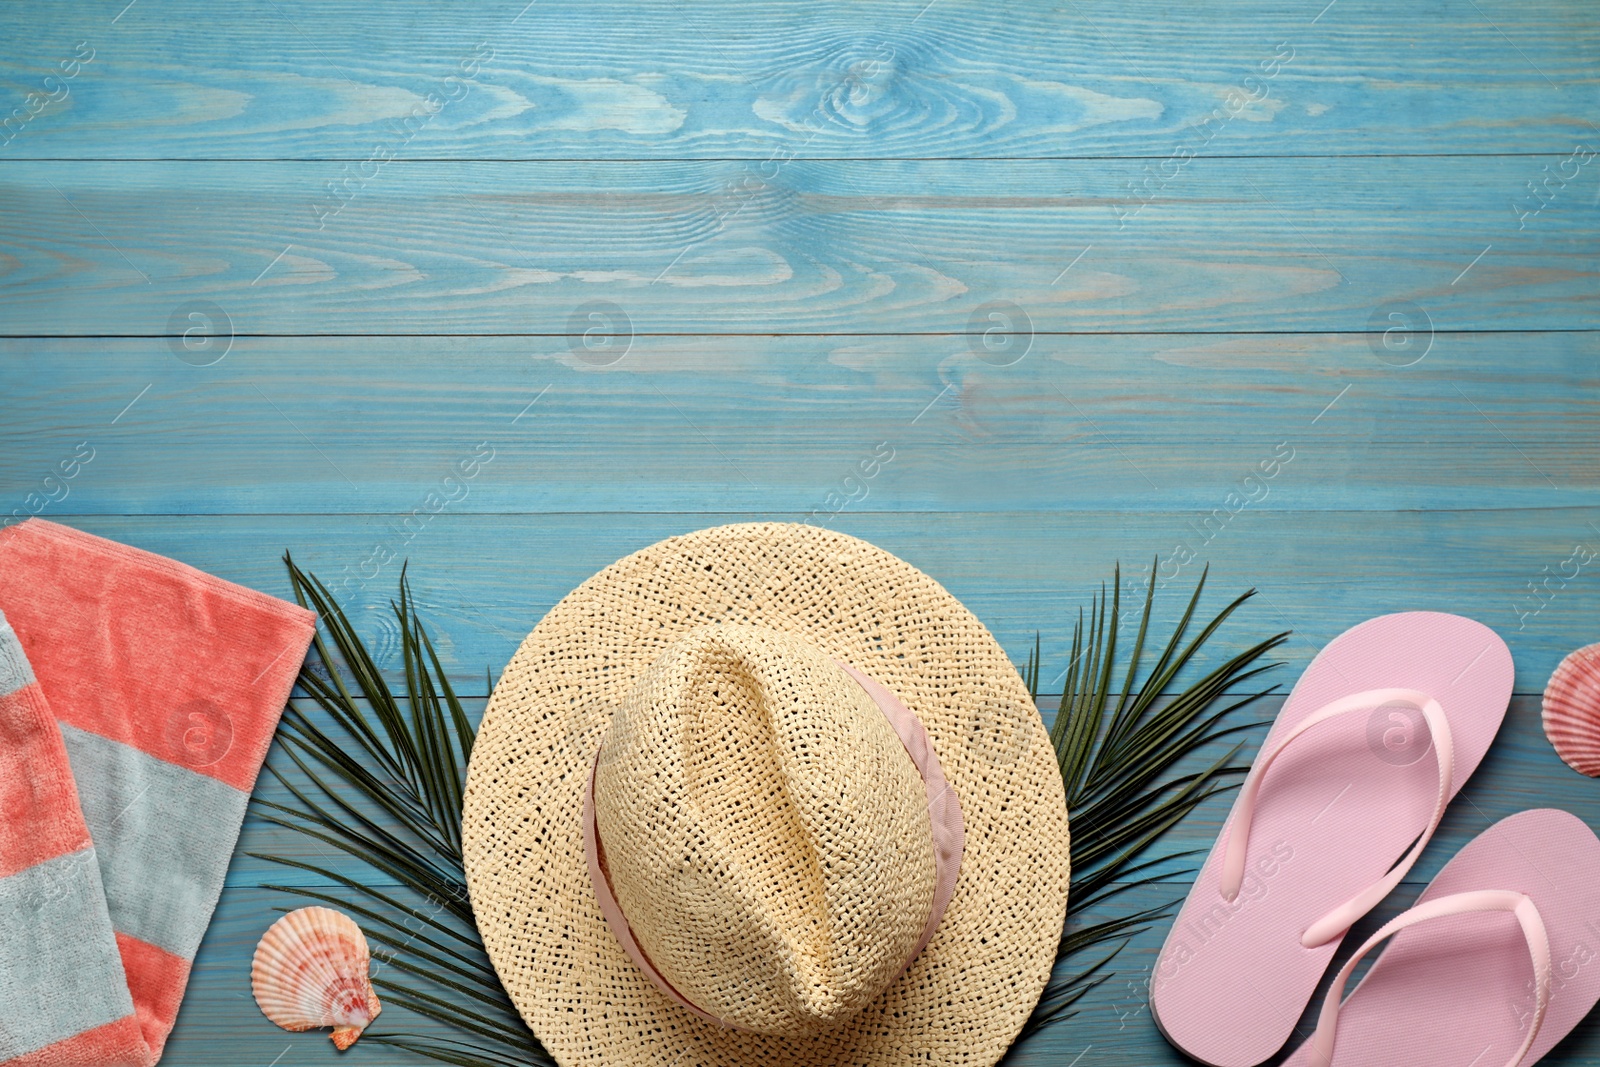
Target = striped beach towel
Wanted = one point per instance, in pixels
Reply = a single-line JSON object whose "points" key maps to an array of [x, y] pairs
{"points": [[138, 697]]}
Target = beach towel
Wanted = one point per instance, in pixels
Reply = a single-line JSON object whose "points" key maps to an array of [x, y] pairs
{"points": [[138, 697]]}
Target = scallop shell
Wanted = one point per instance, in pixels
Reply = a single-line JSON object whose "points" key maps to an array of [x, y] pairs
{"points": [[310, 970], [1572, 710]]}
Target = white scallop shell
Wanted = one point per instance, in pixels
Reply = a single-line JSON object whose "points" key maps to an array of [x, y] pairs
{"points": [[310, 970], [1572, 710]]}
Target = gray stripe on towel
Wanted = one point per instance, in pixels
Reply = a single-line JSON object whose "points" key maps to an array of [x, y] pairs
{"points": [[164, 834], [60, 972]]}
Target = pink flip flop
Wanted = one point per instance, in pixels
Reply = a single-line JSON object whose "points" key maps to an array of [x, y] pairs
{"points": [[1380, 732], [1498, 960]]}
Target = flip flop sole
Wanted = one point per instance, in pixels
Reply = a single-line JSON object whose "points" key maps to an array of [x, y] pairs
{"points": [[1460, 990], [1336, 810]]}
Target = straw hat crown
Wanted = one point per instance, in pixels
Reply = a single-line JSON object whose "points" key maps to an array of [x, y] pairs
{"points": [[764, 831]]}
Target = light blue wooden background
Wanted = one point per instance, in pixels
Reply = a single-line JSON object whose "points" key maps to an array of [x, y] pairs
{"points": [[1071, 272]]}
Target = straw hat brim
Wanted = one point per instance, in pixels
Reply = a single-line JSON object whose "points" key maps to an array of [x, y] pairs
{"points": [[964, 999]]}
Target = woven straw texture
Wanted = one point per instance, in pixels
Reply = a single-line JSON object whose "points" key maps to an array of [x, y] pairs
{"points": [[757, 811], [602, 649]]}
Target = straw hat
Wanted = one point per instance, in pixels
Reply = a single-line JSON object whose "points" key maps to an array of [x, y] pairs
{"points": [[776, 736]]}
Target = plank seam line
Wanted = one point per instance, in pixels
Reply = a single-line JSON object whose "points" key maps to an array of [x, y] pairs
{"points": [[785, 333], [765, 514], [18, 159]]}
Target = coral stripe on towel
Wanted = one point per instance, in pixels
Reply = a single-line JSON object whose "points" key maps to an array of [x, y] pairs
{"points": [[156, 978], [111, 1045], [150, 652], [39, 815]]}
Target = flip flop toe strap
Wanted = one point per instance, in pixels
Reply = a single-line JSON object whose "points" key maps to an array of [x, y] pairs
{"points": [[1533, 930], [1337, 921]]}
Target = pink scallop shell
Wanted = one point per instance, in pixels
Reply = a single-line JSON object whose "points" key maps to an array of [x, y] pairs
{"points": [[310, 970], [1572, 710]]}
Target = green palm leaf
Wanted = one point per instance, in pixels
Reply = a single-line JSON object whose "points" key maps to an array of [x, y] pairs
{"points": [[385, 787], [1120, 751]]}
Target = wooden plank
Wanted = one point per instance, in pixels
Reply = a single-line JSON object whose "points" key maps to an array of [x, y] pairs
{"points": [[484, 580], [1169, 424], [930, 246], [182, 78], [219, 1022]]}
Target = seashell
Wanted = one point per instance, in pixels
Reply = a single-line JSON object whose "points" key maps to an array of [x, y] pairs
{"points": [[310, 970], [1572, 710]]}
